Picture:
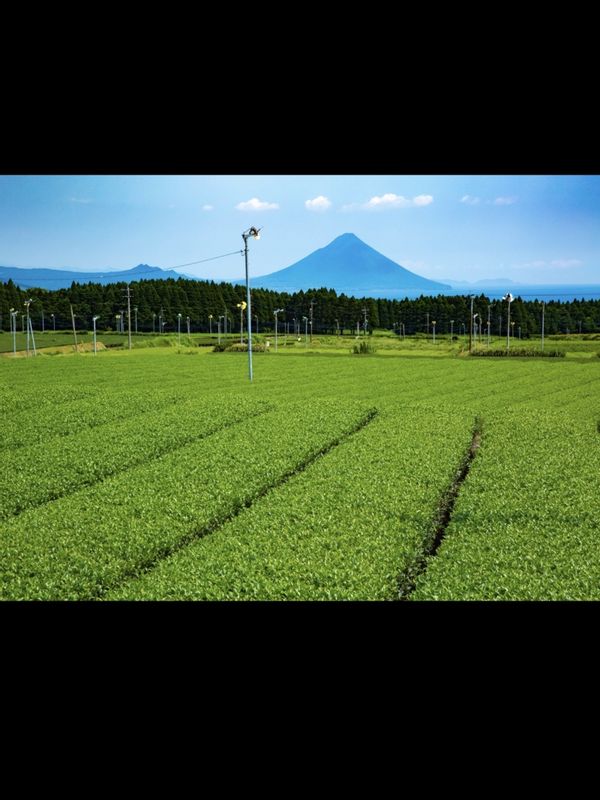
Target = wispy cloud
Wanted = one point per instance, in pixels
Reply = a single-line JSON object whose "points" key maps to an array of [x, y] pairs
{"points": [[557, 262], [469, 200], [505, 201], [254, 204], [82, 200], [319, 203], [207, 207]]}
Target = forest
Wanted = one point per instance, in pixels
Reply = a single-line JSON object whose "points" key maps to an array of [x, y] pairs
{"points": [[156, 301]]}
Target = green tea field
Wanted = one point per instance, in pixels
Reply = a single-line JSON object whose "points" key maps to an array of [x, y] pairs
{"points": [[415, 473]]}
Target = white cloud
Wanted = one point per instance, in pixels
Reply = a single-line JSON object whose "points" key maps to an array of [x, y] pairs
{"points": [[254, 204], [388, 200], [566, 262], [470, 200], [505, 201], [319, 203], [423, 200], [207, 207], [83, 200], [391, 200]]}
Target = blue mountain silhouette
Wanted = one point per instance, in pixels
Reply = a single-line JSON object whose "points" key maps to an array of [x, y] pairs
{"points": [[347, 265], [63, 278]]}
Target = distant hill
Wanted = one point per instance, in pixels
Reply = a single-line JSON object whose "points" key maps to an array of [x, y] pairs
{"points": [[347, 265], [63, 278]]}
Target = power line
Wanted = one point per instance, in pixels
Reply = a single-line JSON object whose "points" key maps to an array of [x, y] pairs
{"points": [[202, 260]]}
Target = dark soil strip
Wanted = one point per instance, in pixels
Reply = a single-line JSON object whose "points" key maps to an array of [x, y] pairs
{"points": [[236, 510], [437, 531]]}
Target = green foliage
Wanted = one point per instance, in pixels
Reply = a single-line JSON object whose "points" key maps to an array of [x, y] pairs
{"points": [[519, 352], [147, 475], [363, 348]]}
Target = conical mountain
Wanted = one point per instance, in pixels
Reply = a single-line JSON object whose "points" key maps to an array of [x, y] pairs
{"points": [[347, 265]]}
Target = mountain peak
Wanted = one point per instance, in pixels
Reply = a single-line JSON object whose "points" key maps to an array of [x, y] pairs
{"points": [[350, 265]]}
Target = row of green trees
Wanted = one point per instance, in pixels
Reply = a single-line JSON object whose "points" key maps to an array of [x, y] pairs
{"points": [[199, 299]]}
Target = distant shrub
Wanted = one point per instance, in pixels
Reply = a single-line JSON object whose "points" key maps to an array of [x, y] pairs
{"points": [[363, 348], [519, 352], [238, 347], [242, 347]]}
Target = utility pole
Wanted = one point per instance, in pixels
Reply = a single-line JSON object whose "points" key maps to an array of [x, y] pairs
{"points": [[470, 326], [365, 323], [128, 290], [73, 323], [543, 324], [312, 302]]}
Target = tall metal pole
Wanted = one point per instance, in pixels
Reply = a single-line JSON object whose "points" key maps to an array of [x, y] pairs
{"points": [[94, 321], [14, 330], [451, 329], [543, 304], [42, 320], [508, 329], [210, 319], [312, 302], [135, 308], [471, 326], [489, 322], [73, 323], [129, 315], [248, 304], [27, 307], [32, 336], [179, 329], [427, 314]]}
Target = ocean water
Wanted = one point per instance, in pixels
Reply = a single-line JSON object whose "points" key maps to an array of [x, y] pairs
{"points": [[550, 292]]}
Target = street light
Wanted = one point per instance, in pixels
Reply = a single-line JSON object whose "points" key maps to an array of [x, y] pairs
{"points": [[256, 318], [27, 303], [94, 321], [53, 322], [179, 329], [187, 319], [451, 329], [13, 316], [241, 307], [433, 325], [255, 233], [509, 298], [210, 319], [219, 329], [153, 322], [135, 308], [305, 331], [277, 311]]}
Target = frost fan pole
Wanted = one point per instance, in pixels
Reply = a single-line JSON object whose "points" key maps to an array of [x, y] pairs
{"points": [[73, 322]]}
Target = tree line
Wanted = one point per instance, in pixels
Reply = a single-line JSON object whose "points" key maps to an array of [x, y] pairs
{"points": [[164, 299]]}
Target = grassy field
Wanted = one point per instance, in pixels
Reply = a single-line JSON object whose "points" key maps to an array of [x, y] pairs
{"points": [[164, 474]]}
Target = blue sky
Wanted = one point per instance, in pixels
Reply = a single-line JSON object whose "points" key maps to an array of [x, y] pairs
{"points": [[531, 229]]}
